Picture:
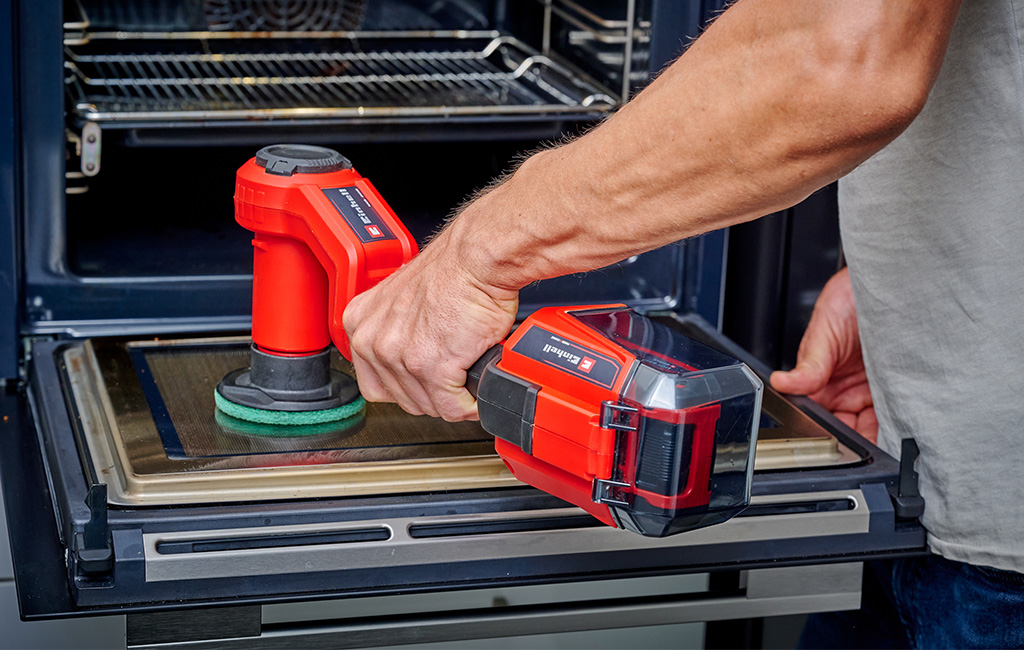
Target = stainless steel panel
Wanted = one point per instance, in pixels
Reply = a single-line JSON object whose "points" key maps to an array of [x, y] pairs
{"points": [[769, 592], [401, 548]]}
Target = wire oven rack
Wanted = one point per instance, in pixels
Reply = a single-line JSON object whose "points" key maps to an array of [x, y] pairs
{"points": [[232, 78]]}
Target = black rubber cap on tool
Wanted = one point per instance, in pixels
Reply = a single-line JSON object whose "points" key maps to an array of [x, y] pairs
{"points": [[274, 383], [288, 159]]}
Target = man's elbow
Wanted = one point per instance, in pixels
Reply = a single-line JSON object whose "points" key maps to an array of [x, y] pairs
{"points": [[887, 104], [878, 77]]}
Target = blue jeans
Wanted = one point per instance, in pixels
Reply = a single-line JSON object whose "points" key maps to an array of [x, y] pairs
{"points": [[927, 602]]}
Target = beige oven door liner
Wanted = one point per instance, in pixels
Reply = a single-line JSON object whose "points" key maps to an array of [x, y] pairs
{"points": [[146, 413]]}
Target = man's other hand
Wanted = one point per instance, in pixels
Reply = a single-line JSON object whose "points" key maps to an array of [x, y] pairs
{"points": [[830, 367]]}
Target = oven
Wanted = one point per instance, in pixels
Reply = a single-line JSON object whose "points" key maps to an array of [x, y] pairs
{"points": [[125, 289]]}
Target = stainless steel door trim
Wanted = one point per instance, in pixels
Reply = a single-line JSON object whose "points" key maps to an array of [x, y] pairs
{"points": [[403, 549], [93, 409], [769, 592]]}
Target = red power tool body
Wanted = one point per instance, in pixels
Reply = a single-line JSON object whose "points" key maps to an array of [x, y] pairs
{"points": [[321, 238], [322, 235], [642, 427]]}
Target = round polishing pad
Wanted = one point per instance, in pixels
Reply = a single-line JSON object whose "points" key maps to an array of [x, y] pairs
{"points": [[288, 418], [329, 431]]}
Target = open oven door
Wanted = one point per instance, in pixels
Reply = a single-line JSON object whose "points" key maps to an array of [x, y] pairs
{"points": [[796, 548]]}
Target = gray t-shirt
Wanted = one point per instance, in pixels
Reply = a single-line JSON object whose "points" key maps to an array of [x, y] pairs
{"points": [[933, 228]]}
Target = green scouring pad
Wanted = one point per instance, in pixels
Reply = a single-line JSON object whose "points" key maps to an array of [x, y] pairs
{"points": [[289, 418], [332, 430]]}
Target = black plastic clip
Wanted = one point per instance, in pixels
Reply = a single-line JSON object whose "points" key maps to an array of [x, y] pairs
{"points": [[94, 549], [908, 502]]}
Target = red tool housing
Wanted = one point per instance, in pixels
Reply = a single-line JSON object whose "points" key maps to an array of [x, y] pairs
{"points": [[642, 427], [321, 238]]}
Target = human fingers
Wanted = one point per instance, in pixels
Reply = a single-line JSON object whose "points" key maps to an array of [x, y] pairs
{"points": [[863, 422], [456, 405], [371, 343], [807, 377], [386, 387], [832, 339], [370, 386], [867, 424], [847, 418], [378, 383], [437, 384], [816, 359], [415, 336], [848, 393]]}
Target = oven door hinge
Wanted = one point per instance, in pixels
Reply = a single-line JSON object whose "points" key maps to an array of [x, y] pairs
{"points": [[87, 148]]}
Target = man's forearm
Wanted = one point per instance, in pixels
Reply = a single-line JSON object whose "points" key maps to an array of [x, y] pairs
{"points": [[777, 99]]}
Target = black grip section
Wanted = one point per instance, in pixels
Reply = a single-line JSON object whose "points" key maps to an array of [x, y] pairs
{"points": [[477, 369], [506, 404]]}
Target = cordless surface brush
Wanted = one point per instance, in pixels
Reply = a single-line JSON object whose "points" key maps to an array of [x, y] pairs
{"points": [[321, 235], [640, 426]]}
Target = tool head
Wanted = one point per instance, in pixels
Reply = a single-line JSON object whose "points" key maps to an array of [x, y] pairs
{"points": [[321, 235], [288, 390]]}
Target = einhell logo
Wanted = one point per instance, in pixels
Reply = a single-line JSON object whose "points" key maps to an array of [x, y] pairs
{"points": [[374, 231], [574, 359]]}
